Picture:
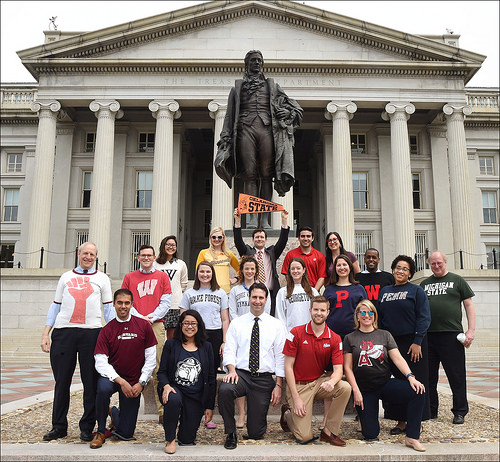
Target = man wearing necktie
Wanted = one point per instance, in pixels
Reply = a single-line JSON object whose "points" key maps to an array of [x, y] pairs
{"points": [[252, 355], [266, 256]]}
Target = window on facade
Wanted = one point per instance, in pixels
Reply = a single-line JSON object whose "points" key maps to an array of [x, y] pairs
{"points": [[7, 256], [413, 144], [146, 142], [207, 222], [489, 207], [86, 189], [362, 242], [416, 189], [486, 166], [420, 250], [358, 143], [81, 237], [144, 190], [139, 238], [492, 252], [14, 163], [11, 204], [90, 142], [360, 190]]}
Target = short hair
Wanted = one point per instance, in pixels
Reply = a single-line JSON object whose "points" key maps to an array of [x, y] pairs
{"points": [[437, 251], [374, 249], [214, 285], [257, 285], [87, 243], [250, 53], [406, 259], [259, 230], [371, 307], [122, 292], [200, 336], [146, 246], [320, 299], [306, 228]]}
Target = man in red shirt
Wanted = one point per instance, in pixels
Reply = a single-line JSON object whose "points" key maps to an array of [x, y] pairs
{"points": [[308, 350], [152, 297], [314, 259]]}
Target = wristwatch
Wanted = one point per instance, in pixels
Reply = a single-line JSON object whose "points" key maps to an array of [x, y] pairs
{"points": [[143, 383], [411, 374]]}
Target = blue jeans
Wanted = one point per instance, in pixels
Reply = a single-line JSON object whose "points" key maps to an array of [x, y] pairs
{"points": [[395, 391], [126, 419]]}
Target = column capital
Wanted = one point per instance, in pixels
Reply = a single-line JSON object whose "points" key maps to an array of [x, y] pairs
{"points": [[396, 108], [215, 106], [109, 106], [458, 108], [51, 105], [170, 105], [336, 109]]}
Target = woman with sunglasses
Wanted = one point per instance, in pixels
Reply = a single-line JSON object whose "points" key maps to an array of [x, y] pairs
{"points": [[221, 258], [294, 300], [335, 247], [176, 269], [186, 381], [366, 365], [404, 312]]}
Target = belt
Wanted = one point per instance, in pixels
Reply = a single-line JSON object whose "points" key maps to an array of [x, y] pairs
{"points": [[256, 374], [303, 382]]}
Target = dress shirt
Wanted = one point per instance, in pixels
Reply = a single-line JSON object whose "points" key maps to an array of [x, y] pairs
{"points": [[267, 267], [271, 341]]}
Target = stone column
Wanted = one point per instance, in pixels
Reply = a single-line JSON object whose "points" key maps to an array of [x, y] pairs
{"points": [[41, 195], [102, 176], [463, 229], [163, 170], [404, 223], [341, 176], [222, 196]]}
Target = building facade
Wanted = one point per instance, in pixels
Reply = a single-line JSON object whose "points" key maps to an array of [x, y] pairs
{"points": [[115, 143]]}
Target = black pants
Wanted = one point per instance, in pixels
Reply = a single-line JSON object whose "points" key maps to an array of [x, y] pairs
{"points": [[421, 371], [68, 344], [184, 409], [215, 339], [444, 348], [258, 390]]}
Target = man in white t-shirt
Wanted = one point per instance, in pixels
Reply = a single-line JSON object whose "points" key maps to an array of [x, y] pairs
{"points": [[75, 316]]}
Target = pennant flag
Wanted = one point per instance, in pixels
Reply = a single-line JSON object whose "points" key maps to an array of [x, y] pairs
{"points": [[252, 204]]}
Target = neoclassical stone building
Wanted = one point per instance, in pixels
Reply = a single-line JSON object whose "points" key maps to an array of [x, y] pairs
{"points": [[115, 142]]}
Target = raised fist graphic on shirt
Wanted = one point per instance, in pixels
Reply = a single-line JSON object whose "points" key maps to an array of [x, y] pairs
{"points": [[80, 289]]}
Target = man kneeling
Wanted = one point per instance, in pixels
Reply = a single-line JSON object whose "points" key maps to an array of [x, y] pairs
{"points": [[125, 357], [308, 349]]}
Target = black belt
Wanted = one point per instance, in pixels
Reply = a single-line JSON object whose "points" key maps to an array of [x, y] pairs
{"points": [[257, 374]]}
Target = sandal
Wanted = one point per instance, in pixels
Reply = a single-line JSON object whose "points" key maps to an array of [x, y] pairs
{"points": [[210, 425]]}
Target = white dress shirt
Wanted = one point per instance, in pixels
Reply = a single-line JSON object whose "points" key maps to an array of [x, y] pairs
{"points": [[271, 341]]}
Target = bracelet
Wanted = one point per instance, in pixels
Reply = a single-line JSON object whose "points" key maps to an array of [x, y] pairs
{"points": [[410, 374], [278, 385]]}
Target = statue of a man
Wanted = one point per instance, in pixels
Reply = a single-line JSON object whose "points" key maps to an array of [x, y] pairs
{"points": [[256, 141]]}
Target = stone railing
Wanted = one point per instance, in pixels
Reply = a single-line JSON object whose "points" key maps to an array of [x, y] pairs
{"points": [[18, 98], [483, 100]]}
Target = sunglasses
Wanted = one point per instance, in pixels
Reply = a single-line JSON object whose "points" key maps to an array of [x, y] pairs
{"points": [[363, 313], [217, 238]]}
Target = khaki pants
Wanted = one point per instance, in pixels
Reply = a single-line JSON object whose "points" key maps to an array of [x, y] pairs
{"points": [[301, 426], [159, 331]]}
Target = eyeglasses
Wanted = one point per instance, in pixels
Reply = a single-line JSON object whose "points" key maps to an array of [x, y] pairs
{"points": [[400, 268], [363, 313], [189, 324], [217, 238], [333, 240], [146, 256]]}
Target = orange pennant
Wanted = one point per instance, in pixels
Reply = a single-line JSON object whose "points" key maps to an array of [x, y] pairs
{"points": [[252, 204]]}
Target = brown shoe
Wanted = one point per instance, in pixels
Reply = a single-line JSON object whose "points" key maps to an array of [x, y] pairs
{"points": [[160, 419], [332, 439], [284, 425], [98, 441]]}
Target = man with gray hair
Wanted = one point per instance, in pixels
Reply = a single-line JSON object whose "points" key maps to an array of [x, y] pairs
{"points": [[447, 291], [75, 316]]}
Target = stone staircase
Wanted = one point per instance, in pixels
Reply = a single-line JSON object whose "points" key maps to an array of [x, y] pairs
{"points": [[23, 347]]}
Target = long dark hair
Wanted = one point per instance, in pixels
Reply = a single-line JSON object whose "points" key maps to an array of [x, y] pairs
{"points": [[162, 255], [200, 336], [328, 252], [334, 277], [290, 284], [214, 285]]}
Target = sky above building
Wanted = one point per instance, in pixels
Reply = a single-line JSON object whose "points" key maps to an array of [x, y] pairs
{"points": [[477, 23]]}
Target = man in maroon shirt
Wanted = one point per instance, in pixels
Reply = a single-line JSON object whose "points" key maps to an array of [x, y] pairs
{"points": [[308, 350]]}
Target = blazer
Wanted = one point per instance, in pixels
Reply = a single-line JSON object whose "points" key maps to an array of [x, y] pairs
{"points": [[274, 252], [168, 366]]}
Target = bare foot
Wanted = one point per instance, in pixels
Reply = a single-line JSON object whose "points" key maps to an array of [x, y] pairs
{"points": [[240, 423]]}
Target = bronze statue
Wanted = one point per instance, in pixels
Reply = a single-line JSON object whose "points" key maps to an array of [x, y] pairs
{"points": [[256, 141]]}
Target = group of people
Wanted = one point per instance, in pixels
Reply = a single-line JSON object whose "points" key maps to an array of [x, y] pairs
{"points": [[387, 335]]}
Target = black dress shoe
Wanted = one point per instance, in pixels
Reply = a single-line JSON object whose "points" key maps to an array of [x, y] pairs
{"points": [[86, 436], [231, 441], [397, 431], [248, 437], [458, 419], [55, 434]]}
